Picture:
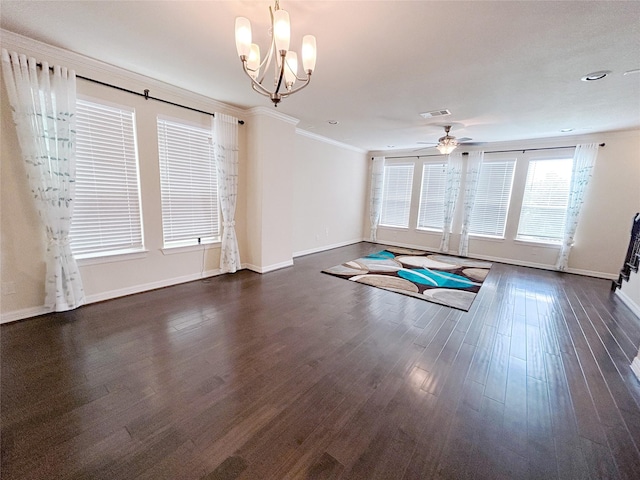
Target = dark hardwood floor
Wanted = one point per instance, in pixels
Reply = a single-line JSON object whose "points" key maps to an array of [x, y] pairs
{"points": [[298, 374]]}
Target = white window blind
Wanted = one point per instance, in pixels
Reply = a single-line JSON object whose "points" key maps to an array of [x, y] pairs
{"points": [[431, 210], [189, 184], [545, 199], [106, 214], [491, 205], [396, 195]]}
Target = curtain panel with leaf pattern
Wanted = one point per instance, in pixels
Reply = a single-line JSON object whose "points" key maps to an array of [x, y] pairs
{"points": [[225, 135], [43, 106]]}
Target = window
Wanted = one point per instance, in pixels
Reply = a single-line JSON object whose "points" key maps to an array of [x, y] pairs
{"points": [[106, 214], [492, 198], [431, 212], [544, 204], [396, 195], [189, 184]]}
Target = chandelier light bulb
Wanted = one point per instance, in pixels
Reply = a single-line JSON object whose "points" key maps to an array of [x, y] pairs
{"points": [[309, 53], [281, 30], [253, 62], [243, 36], [290, 69]]}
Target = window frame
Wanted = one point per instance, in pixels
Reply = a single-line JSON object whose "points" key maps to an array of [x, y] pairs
{"points": [[425, 166], [568, 160], [174, 246], [407, 200], [487, 162], [131, 164]]}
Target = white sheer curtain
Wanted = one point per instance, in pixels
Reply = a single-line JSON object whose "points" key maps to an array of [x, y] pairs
{"points": [[43, 104], [225, 134], [584, 159], [474, 163], [375, 197], [452, 190]]}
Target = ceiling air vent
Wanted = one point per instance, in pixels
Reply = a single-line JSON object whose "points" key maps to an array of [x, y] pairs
{"points": [[435, 113]]}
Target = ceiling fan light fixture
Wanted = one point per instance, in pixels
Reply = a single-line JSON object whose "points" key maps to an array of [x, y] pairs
{"points": [[446, 147], [447, 144]]}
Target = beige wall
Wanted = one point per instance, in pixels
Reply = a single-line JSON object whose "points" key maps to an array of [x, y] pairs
{"points": [[603, 232], [329, 182]]}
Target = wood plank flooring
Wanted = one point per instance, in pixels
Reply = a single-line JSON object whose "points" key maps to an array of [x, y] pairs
{"points": [[296, 374]]}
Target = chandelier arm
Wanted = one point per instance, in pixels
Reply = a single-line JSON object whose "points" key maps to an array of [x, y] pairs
{"points": [[297, 89], [255, 85], [261, 92], [281, 76], [267, 60]]}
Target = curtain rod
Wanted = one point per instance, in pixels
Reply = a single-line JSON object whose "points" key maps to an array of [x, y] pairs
{"points": [[494, 151], [532, 149], [418, 156], [145, 94]]}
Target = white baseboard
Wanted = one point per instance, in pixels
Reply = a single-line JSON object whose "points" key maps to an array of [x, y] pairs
{"points": [[635, 367], [326, 247], [268, 268], [628, 301], [24, 313], [519, 263], [122, 292], [108, 295]]}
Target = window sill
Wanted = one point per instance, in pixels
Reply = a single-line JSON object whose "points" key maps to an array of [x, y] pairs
{"points": [[488, 238], [538, 243], [393, 227], [111, 257], [172, 250], [429, 231]]}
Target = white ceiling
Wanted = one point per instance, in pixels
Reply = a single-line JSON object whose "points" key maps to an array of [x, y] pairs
{"points": [[506, 70]]}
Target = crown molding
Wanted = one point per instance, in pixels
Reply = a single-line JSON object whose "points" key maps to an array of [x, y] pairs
{"points": [[105, 72], [330, 141], [270, 112]]}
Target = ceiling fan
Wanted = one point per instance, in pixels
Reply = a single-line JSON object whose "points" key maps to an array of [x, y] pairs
{"points": [[447, 143]]}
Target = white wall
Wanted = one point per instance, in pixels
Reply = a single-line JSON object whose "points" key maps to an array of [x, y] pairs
{"points": [[270, 165], [329, 193], [603, 233]]}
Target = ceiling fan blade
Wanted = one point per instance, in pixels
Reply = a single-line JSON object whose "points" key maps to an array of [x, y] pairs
{"points": [[464, 139], [426, 143], [425, 148]]}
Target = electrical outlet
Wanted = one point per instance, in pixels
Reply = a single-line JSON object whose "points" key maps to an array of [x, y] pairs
{"points": [[8, 288]]}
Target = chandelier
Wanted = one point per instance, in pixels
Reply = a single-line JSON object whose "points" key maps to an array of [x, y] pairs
{"points": [[447, 144], [286, 61]]}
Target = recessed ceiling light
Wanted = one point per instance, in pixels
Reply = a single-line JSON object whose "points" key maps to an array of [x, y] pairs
{"points": [[630, 72], [390, 146], [599, 75], [565, 130], [333, 122]]}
